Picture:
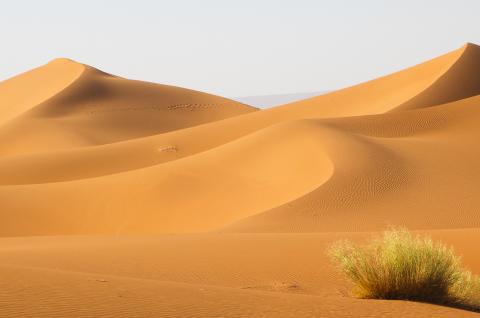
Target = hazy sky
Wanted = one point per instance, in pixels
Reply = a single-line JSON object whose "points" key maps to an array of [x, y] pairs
{"points": [[236, 48]]}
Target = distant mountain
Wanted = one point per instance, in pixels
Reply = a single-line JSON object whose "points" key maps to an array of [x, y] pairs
{"points": [[265, 101]]}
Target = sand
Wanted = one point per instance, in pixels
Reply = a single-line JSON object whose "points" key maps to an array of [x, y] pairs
{"points": [[121, 198]]}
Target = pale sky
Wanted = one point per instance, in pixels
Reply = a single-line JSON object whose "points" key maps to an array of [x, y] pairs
{"points": [[236, 48]]}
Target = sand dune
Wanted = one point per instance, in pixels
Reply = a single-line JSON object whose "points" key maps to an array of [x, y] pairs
{"points": [[41, 84], [97, 108], [88, 153], [288, 168]]}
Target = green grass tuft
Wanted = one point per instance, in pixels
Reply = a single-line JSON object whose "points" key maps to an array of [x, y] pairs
{"points": [[400, 265]]}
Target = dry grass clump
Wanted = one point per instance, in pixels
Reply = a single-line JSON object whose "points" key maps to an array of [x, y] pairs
{"points": [[400, 265]]}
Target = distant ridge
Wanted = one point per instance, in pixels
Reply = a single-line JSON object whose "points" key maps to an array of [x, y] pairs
{"points": [[266, 101]]}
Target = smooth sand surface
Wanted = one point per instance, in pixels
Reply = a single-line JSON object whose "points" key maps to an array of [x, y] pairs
{"points": [[201, 275], [121, 198]]}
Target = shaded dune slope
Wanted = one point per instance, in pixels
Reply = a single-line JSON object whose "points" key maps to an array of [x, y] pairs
{"points": [[29, 89], [378, 151]]}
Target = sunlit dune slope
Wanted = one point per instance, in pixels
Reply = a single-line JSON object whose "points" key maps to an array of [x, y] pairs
{"points": [[198, 192], [417, 169], [398, 150], [96, 108]]}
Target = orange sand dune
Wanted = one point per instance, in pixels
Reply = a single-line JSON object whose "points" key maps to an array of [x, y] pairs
{"points": [[287, 169], [40, 83], [385, 92], [161, 201], [98, 108]]}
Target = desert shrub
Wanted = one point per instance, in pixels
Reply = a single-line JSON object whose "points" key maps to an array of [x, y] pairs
{"points": [[400, 265]]}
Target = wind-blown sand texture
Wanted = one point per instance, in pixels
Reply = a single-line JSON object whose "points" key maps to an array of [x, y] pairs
{"points": [[121, 198]]}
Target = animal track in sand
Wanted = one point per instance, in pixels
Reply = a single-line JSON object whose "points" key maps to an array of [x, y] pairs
{"points": [[168, 149], [186, 107], [277, 286], [192, 107]]}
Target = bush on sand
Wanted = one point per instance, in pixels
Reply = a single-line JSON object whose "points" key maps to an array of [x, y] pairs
{"points": [[400, 265]]}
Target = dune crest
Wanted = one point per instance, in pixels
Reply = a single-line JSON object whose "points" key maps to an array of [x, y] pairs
{"points": [[459, 82], [41, 84]]}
